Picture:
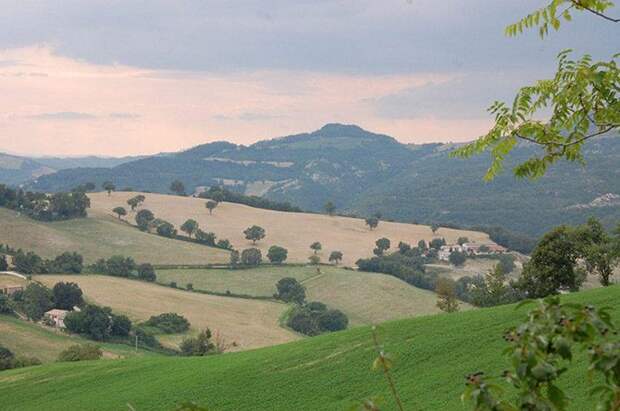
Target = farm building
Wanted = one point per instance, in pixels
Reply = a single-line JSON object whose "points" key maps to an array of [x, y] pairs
{"points": [[10, 290], [57, 317]]}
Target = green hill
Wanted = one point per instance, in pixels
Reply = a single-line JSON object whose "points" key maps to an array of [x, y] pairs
{"points": [[432, 355]]}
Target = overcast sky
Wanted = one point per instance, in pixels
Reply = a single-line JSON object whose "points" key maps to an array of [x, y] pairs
{"points": [[118, 77]]}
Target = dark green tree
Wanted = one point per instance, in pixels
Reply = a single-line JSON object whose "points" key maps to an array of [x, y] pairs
{"points": [[67, 295], [457, 258], [277, 254], [211, 205], [144, 218], [190, 227], [316, 247], [120, 212], [108, 186], [290, 290], [37, 299], [335, 257], [177, 187], [383, 244], [146, 272], [330, 208], [251, 256], [372, 222], [254, 233]]}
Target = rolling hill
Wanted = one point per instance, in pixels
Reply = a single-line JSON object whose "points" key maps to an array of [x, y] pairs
{"points": [[294, 231], [364, 172], [249, 323], [366, 298], [432, 355], [100, 236]]}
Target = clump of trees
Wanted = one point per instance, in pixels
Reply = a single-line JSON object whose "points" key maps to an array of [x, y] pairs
{"points": [[457, 258], [254, 233], [97, 323], [67, 295], [80, 352], [45, 207], [135, 202], [31, 263], [311, 318], [168, 323], [219, 194], [117, 266]]}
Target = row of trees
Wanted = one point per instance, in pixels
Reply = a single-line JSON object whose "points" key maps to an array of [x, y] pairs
{"points": [[36, 299], [46, 207], [31, 263], [121, 266]]}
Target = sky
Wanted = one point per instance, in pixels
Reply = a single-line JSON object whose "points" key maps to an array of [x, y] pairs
{"points": [[124, 77]]}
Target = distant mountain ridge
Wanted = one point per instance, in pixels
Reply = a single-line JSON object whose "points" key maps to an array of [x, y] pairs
{"points": [[364, 172], [16, 170]]}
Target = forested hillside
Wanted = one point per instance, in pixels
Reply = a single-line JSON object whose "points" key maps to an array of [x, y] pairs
{"points": [[365, 173]]}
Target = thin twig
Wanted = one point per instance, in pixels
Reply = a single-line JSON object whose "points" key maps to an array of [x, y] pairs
{"points": [[386, 370], [598, 13]]}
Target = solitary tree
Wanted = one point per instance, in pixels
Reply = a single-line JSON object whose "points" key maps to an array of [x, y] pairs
{"points": [[108, 186], [234, 258], [462, 240], [457, 258], [177, 187], [598, 249], [383, 244], [434, 228], [120, 211], [316, 247], [190, 227], [146, 272], [254, 233], [277, 254], [372, 222], [330, 208], [335, 257], [135, 202], [446, 295], [211, 206], [314, 260]]}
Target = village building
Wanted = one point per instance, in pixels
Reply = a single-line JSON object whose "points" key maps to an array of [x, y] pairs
{"points": [[56, 317], [10, 290]]}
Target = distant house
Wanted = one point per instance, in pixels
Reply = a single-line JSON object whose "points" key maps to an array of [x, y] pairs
{"points": [[445, 251], [57, 317], [483, 249]]}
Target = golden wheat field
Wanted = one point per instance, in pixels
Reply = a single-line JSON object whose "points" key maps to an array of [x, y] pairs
{"points": [[249, 323], [293, 231]]}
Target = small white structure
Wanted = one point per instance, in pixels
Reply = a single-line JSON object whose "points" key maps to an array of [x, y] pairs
{"points": [[446, 250], [57, 317]]}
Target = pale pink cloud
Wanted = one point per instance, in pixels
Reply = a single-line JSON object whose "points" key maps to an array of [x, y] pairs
{"points": [[55, 105]]}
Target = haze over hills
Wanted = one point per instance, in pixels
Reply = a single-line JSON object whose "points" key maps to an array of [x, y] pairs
{"points": [[364, 172], [17, 170]]}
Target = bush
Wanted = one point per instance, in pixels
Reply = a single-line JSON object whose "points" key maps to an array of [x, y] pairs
{"points": [[83, 352], [251, 256], [200, 345], [168, 323], [315, 318]]}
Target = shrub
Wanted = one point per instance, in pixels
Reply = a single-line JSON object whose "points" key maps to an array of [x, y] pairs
{"points": [[169, 323], [251, 256], [200, 345], [83, 352]]}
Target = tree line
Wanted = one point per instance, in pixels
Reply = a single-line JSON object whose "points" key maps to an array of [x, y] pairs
{"points": [[45, 207]]}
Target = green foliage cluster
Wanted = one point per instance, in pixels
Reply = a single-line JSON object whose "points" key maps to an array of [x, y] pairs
{"points": [[198, 346], [315, 318], [97, 323], [168, 323], [117, 266], [31, 263], [80, 352], [254, 233], [220, 194], [277, 254], [8, 360], [67, 295], [290, 290], [251, 256], [45, 207]]}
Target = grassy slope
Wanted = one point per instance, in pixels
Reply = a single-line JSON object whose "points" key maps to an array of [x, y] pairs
{"points": [[294, 231], [26, 338], [250, 323], [432, 355], [366, 298], [100, 236]]}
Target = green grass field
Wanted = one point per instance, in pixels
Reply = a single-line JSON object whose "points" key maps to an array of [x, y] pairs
{"points": [[26, 338], [100, 236], [366, 298], [432, 355]]}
